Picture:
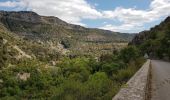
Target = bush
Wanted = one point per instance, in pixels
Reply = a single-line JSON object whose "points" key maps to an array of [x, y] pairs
{"points": [[66, 43], [79, 78], [125, 74], [110, 68], [98, 86], [129, 53]]}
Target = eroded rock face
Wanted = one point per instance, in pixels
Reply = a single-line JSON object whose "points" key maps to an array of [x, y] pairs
{"points": [[21, 54], [23, 76], [139, 38], [29, 23], [22, 15], [36, 31]]}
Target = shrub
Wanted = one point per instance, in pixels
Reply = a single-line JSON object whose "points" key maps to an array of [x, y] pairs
{"points": [[129, 53]]}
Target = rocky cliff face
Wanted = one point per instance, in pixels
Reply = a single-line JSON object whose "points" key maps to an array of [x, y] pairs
{"points": [[30, 23], [45, 36], [139, 38], [45, 30], [22, 16]]}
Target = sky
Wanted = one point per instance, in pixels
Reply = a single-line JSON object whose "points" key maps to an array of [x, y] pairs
{"points": [[127, 16]]}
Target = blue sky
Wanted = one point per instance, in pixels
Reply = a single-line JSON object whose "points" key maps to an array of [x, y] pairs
{"points": [[128, 16], [112, 4]]}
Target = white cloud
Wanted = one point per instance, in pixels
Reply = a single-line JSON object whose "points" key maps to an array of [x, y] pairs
{"points": [[8, 4], [74, 11], [123, 28], [133, 20]]}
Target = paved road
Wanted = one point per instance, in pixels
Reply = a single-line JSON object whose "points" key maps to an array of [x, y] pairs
{"points": [[160, 86]]}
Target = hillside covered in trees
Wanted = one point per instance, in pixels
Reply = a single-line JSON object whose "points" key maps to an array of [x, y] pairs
{"points": [[155, 42], [39, 59]]}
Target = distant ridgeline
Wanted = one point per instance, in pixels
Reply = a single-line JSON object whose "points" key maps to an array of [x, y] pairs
{"points": [[52, 31], [155, 42], [31, 24]]}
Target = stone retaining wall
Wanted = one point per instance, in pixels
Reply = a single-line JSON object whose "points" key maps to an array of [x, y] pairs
{"points": [[136, 88]]}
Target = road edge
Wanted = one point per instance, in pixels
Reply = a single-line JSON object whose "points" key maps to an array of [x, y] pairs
{"points": [[148, 84]]}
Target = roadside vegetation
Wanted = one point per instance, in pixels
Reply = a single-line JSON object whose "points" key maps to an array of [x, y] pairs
{"points": [[78, 78], [155, 42], [40, 61]]}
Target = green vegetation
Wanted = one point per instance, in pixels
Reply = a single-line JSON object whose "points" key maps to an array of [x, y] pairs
{"points": [[79, 78], [155, 42], [66, 43], [45, 58], [46, 30], [3, 53]]}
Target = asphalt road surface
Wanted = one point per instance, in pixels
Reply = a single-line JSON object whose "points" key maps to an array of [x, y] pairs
{"points": [[160, 82]]}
